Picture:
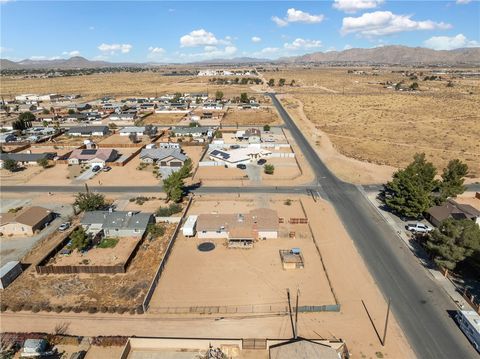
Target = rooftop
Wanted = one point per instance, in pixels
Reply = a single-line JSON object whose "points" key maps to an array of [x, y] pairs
{"points": [[29, 216], [120, 219]]}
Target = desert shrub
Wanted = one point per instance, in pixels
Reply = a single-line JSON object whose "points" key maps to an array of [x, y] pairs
{"points": [[132, 311], [155, 230], [92, 310], [77, 309], [103, 309], [288, 202], [58, 309], [47, 309], [67, 309], [3, 307], [27, 307], [112, 309], [35, 309], [173, 208], [140, 310], [16, 307]]}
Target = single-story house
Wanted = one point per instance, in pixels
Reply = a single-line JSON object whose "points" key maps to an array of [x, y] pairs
{"points": [[239, 229], [164, 157], [124, 116], [237, 156], [93, 116], [192, 131], [168, 145], [26, 159], [148, 130], [252, 135], [117, 224], [76, 117], [88, 131], [26, 221], [47, 117], [452, 209], [212, 106], [148, 106], [94, 157]]}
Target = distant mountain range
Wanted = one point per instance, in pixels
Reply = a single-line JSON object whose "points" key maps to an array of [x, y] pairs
{"points": [[401, 55]]}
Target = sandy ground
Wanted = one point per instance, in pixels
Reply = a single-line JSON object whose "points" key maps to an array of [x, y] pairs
{"points": [[346, 168], [127, 175], [25, 174], [469, 198], [163, 119], [99, 256], [351, 284], [122, 140], [260, 116], [193, 152]]}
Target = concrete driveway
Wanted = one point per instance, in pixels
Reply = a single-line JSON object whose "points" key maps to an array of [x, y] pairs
{"points": [[86, 175], [254, 172]]}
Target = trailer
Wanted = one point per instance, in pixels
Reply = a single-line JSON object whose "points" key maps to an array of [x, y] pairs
{"points": [[469, 323], [188, 229]]}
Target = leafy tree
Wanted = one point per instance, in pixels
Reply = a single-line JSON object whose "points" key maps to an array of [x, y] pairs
{"points": [[176, 97], [174, 184], [88, 201], [218, 134], [453, 179], [450, 84], [244, 97], [454, 241], [266, 127], [112, 126], [271, 82], [27, 117], [44, 123], [71, 111], [186, 170], [281, 82], [409, 193], [155, 230], [45, 111], [218, 95], [244, 81], [43, 162], [79, 239], [269, 169], [414, 86], [193, 124], [10, 165]]}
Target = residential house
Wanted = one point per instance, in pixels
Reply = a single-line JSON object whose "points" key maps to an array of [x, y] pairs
{"points": [[252, 135], [88, 131], [452, 209], [234, 157], [93, 116], [147, 106], [94, 157], [26, 221], [241, 230], [168, 145], [212, 106], [140, 131], [116, 224], [193, 131], [27, 108], [164, 157], [26, 159], [47, 117], [76, 117], [124, 116]]}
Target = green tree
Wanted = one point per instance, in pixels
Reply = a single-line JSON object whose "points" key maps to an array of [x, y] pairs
{"points": [[176, 97], [27, 117], [244, 97], [409, 193], [453, 179], [71, 111], [454, 241], [244, 81], [10, 165], [292, 83], [414, 86], [271, 82], [43, 162], [79, 239], [218, 134], [281, 82], [266, 127], [269, 169], [88, 201], [186, 170], [218, 95], [174, 184]]}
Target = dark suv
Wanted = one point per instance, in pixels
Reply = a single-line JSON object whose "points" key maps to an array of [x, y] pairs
{"points": [[242, 166]]}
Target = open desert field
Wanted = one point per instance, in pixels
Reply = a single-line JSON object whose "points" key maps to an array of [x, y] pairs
{"points": [[162, 119], [372, 124]]}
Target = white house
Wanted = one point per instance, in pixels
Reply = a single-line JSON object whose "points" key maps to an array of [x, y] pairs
{"points": [[232, 158], [138, 130]]}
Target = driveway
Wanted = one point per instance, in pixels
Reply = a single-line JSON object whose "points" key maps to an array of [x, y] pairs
{"points": [[86, 175], [254, 173]]}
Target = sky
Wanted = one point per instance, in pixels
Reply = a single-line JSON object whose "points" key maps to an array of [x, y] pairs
{"points": [[187, 31]]}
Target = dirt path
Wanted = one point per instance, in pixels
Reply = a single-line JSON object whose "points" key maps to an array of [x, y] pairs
{"points": [[346, 168]]}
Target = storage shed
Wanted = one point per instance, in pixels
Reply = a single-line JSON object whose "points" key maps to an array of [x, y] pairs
{"points": [[9, 272]]}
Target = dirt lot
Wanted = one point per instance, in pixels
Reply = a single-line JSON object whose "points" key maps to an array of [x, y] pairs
{"points": [[364, 121], [192, 277], [91, 289], [127, 175], [116, 139], [163, 119], [259, 117], [74, 141]]}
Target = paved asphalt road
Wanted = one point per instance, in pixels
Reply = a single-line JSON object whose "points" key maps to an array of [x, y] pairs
{"points": [[422, 308]]}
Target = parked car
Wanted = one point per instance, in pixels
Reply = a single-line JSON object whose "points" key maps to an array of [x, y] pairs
{"points": [[64, 226], [261, 161], [419, 228], [96, 168], [242, 166], [106, 168]]}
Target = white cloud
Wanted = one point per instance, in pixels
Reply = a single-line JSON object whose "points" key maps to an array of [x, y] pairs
{"points": [[302, 44], [269, 50], [201, 37], [211, 52], [71, 53], [463, 2], [256, 39], [381, 23], [156, 50], [91, 28], [352, 6], [294, 15], [347, 47], [450, 42], [113, 48], [39, 58]]}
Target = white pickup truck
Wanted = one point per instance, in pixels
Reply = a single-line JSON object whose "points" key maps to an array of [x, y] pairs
{"points": [[419, 228]]}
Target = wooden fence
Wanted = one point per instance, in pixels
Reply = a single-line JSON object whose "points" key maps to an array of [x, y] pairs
{"points": [[298, 220]]}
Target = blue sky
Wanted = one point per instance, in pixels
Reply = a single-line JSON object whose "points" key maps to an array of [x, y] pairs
{"points": [[192, 31]]}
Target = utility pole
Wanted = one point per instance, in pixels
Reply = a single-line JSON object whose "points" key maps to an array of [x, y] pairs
{"points": [[290, 313], [386, 323], [296, 315]]}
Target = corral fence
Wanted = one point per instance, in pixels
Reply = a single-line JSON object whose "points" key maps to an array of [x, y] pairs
{"points": [[161, 267]]}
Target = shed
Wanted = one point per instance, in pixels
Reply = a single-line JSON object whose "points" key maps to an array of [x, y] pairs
{"points": [[189, 226], [9, 272]]}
